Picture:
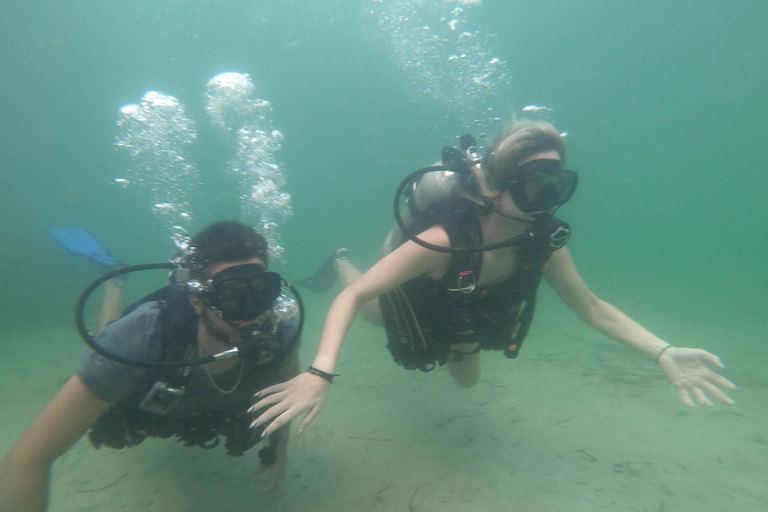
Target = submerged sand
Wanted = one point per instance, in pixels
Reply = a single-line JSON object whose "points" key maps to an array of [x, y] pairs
{"points": [[575, 424]]}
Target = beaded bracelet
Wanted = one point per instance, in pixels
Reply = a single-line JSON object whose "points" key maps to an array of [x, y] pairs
{"points": [[323, 375], [658, 356]]}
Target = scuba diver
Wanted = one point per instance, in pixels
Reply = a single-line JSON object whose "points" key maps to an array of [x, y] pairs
{"points": [[460, 271], [185, 361]]}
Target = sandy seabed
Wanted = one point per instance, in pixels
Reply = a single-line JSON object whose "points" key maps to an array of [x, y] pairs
{"points": [[575, 424]]}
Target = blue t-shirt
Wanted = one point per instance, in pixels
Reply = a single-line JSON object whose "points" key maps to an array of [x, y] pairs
{"points": [[137, 337]]}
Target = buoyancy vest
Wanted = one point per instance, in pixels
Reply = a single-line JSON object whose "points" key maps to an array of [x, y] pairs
{"points": [[425, 317], [149, 412]]}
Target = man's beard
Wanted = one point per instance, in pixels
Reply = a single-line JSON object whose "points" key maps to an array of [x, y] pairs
{"points": [[219, 333]]}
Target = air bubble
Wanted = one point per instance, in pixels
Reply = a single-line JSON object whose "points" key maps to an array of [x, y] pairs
{"points": [[452, 63], [233, 110], [155, 133]]}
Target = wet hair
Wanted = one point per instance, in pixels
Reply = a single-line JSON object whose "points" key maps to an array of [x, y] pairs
{"points": [[223, 242], [515, 143]]}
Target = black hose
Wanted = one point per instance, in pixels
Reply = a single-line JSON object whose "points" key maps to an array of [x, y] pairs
{"points": [[91, 341]]}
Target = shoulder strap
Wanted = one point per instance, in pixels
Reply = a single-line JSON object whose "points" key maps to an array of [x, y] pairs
{"points": [[178, 328], [178, 323], [535, 255], [462, 225], [464, 267]]}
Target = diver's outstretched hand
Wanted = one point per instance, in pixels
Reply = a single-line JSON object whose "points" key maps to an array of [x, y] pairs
{"points": [[305, 393], [687, 370]]}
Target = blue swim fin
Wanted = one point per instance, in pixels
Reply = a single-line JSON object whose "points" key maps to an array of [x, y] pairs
{"points": [[84, 245]]}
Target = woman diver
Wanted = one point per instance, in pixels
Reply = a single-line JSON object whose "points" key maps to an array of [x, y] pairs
{"points": [[466, 274]]}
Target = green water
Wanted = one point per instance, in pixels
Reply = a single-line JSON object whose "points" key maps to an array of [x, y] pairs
{"points": [[663, 101]]}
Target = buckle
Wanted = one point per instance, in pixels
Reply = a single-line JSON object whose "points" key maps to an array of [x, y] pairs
{"points": [[466, 283], [559, 237]]}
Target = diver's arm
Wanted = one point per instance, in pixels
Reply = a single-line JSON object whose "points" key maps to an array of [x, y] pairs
{"points": [[25, 470], [562, 275], [307, 393], [403, 264], [686, 368]]}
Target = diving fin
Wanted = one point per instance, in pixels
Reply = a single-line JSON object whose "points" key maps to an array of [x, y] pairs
{"points": [[326, 276], [84, 245]]}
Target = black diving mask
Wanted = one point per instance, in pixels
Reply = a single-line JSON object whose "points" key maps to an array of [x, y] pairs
{"points": [[242, 292], [542, 184]]}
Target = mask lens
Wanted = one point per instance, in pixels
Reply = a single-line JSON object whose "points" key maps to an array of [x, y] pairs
{"points": [[544, 191], [266, 287], [242, 296], [229, 295], [541, 185]]}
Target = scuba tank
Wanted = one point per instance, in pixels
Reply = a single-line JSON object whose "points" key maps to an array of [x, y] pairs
{"points": [[428, 186]]}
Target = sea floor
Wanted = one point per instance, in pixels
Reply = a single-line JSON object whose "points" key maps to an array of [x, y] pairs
{"points": [[575, 424]]}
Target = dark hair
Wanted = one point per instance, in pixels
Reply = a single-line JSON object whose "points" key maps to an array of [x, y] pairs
{"points": [[517, 142], [221, 242]]}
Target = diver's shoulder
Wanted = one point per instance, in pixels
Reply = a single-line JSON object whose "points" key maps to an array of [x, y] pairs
{"points": [[144, 317], [436, 235]]}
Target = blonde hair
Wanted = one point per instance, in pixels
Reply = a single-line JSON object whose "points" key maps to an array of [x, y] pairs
{"points": [[516, 142]]}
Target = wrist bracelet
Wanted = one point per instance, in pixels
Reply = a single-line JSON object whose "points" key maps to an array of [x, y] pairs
{"points": [[658, 356], [323, 375]]}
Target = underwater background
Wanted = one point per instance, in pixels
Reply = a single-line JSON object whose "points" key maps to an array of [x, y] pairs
{"points": [[664, 105]]}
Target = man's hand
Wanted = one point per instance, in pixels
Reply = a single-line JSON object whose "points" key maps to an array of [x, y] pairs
{"points": [[276, 472]]}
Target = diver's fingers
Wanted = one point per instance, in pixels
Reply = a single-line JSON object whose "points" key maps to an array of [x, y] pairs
{"points": [[270, 413], [701, 397], [712, 359], [273, 485], [275, 480], [265, 402], [717, 393], [719, 380], [685, 397], [279, 421], [272, 389], [311, 415]]}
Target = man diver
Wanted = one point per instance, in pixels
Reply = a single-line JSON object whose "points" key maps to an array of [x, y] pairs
{"points": [[465, 279], [225, 306]]}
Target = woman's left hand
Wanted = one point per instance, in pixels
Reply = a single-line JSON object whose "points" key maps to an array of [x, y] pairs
{"points": [[687, 370]]}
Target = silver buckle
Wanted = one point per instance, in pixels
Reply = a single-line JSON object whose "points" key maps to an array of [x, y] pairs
{"points": [[467, 282]]}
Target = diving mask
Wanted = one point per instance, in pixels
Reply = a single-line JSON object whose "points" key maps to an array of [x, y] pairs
{"points": [[242, 292], [542, 184]]}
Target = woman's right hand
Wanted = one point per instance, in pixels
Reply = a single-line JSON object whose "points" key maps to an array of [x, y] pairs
{"points": [[305, 393]]}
